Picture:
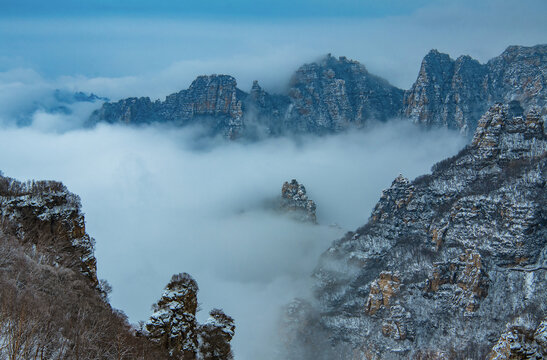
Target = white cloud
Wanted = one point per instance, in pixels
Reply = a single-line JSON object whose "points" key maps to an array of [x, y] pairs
{"points": [[158, 206]]}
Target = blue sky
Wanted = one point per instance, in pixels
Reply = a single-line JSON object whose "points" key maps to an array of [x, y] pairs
{"points": [[213, 8], [121, 48]]}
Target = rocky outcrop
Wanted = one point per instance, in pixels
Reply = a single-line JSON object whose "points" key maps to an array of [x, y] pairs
{"points": [[522, 339], [455, 93], [381, 290], [445, 261], [295, 202], [335, 94], [51, 304], [174, 326], [214, 101], [47, 216]]}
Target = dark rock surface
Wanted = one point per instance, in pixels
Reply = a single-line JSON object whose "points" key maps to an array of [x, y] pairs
{"points": [[295, 202], [335, 94], [445, 262], [455, 93], [212, 100], [324, 97], [46, 215]]}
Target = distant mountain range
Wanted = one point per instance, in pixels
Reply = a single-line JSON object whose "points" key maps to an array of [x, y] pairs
{"points": [[335, 94], [53, 102]]}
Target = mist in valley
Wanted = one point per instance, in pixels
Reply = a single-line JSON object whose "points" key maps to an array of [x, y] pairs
{"points": [[161, 200]]}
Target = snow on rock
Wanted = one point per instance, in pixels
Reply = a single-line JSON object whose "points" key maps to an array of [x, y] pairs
{"points": [[46, 215], [295, 201], [444, 262]]}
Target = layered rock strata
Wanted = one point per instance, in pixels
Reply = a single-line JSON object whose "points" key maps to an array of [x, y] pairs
{"points": [[295, 202], [445, 261], [455, 93]]}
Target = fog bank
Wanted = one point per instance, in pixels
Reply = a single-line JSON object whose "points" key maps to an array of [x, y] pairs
{"points": [[158, 204]]}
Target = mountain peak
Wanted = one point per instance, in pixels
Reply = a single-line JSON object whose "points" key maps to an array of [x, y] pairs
{"points": [[337, 93], [454, 94], [513, 50], [214, 79], [435, 56]]}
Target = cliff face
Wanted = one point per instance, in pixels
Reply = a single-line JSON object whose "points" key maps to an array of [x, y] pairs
{"points": [[455, 93], [520, 73], [51, 304], [212, 100], [447, 264], [447, 93], [46, 216], [334, 94]]}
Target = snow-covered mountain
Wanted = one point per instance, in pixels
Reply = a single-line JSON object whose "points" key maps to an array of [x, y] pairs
{"points": [[451, 265], [335, 94]]}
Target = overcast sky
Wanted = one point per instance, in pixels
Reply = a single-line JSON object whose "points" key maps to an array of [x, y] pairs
{"points": [[157, 47]]}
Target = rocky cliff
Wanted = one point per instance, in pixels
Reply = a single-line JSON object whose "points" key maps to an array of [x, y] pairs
{"points": [[294, 201], [47, 216], [214, 101], [51, 304], [335, 94], [455, 93], [449, 266]]}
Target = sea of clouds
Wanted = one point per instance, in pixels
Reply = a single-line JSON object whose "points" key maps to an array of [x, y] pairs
{"points": [[162, 200]]}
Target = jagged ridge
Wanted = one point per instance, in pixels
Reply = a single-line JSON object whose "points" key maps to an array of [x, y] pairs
{"points": [[455, 93], [445, 261], [335, 94]]}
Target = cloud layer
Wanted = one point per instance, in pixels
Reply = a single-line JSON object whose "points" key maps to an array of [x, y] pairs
{"points": [[158, 204]]}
